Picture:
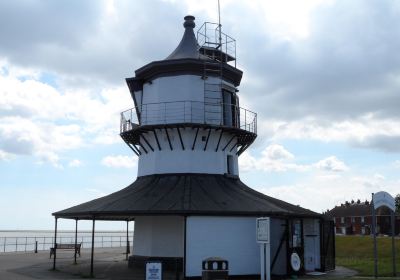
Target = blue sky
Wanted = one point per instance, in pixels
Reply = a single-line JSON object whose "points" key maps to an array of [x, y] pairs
{"points": [[323, 76]]}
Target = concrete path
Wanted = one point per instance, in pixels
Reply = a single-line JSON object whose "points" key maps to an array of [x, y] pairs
{"points": [[109, 263]]}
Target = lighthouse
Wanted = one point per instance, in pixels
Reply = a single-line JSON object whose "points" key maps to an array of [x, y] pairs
{"points": [[188, 130], [187, 117]]}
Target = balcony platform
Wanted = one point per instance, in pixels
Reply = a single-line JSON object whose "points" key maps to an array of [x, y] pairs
{"points": [[134, 135], [153, 117]]}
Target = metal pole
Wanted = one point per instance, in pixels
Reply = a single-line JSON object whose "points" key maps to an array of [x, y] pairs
{"points": [[55, 246], [76, 238], [374, 233], [5, 242], [127, 239], [219, 25], [92, 253], [393, 243]]}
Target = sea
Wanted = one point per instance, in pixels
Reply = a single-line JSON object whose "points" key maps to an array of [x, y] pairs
{"points": [[42, 240]]}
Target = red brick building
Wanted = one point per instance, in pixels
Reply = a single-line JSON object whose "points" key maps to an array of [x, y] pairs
{"points": [[356, 218]]}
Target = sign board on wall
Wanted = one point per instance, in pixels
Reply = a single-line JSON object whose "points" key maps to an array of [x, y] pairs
{"points": [[153, 271], [384, 199], [263, 230]]}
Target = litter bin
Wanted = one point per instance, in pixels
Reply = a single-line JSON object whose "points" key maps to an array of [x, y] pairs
{"points": [[215, 269]]}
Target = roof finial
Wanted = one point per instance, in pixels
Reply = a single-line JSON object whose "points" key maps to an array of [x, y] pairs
{"points": [[189, 21]]}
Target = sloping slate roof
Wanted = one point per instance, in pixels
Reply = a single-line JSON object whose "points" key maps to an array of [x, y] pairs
{"points": [[355, 210], [350, 210], [183, 194]]}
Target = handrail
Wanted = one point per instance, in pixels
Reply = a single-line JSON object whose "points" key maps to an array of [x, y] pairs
{"points": [[208, 35], [196, 112], [41, 243]]}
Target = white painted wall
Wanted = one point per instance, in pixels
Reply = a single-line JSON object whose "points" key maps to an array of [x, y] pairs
{"points": [[231, 238], [311, 232], [180, 99], [160, 236], [188, 160], [174, 88]]}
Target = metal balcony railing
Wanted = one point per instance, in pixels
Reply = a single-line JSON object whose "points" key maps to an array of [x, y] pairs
{"points": [[210, 36], [189, 112]]}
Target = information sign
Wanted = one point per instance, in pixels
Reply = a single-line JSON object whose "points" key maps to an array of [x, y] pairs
{"points": [[153, 271], [263, 230]]}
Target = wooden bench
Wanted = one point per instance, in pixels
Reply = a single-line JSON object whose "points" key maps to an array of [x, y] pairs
{"points": [[67, 246]]}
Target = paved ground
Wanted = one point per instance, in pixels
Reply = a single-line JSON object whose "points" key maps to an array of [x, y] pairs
{"points": [[109, 264]]}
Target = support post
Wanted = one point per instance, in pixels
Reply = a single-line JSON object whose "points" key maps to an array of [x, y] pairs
{"points": [[92, 253], [55, 246], [76, 238], [195, 138], [158, 143], [393, 222], [374, 234], [127, 239], [184, 248]]}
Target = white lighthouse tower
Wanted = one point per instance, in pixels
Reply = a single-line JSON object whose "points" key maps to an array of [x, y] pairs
{"points": [[187, 117], [188, 202], [186, 120]]}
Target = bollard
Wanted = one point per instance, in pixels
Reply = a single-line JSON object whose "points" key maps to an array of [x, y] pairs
{"points": [[36, 245]]}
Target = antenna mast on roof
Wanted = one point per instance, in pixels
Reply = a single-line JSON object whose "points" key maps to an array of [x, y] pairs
{"points": [[219, 25]]}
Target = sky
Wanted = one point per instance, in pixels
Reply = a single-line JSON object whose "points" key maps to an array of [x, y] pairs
{"points": [[323, 77]]}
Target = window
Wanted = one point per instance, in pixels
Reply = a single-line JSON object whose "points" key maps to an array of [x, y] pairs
{"points": [[229, 164], [342, 220], [295, 233], [353, 219], [362, 219]]}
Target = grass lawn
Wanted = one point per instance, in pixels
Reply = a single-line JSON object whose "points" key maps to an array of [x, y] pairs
{"points": [[357, 252]]}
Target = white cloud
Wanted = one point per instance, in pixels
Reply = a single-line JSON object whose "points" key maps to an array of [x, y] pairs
{"points": [[4, 155], [396, 163], [320, 193], [41, 120], [75, 163], [277, 152], [366, 131], [274, 158], [119, 161], [332, 163]]}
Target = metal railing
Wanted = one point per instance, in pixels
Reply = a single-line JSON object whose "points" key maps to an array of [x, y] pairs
{"points": [[194, 112], [208, 35], [42, 243]]}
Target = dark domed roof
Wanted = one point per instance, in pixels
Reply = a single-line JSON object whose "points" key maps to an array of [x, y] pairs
{"points": [[184, 194], [188, 47]]}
